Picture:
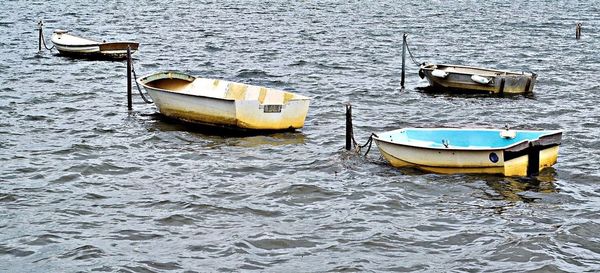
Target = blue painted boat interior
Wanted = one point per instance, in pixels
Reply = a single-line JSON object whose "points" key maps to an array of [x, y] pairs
{"points": [[458, 138]]}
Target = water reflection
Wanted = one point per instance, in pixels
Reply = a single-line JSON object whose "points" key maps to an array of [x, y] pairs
{"points": [[525, 189], [229, 136], [452, 93]]}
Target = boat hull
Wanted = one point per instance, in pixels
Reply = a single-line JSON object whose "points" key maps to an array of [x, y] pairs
{"points": [[74, 46], [466, 79], [522, 159], [227, 104]]}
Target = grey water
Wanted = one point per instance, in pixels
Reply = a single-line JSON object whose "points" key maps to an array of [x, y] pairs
{"points": [[88, 186]]}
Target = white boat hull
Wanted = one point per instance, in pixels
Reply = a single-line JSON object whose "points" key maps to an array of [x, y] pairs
{"points": [[70, 45], [228, 104]]}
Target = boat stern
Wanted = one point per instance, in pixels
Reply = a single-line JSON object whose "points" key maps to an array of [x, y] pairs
{"points": [[272, 110]]}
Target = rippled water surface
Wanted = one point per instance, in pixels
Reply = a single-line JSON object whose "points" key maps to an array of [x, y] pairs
{"points": [[86, 185]]}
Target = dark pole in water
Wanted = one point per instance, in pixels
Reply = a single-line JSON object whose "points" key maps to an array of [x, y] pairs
{"points": [[129, 78], [403, 58], [578, 31], [533, 159], [40, 24], [348, 126]]}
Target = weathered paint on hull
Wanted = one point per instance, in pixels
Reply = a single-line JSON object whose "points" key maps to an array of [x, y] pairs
{"points": [[223, 103], [513, 83], [453, 162], [207, 111]]}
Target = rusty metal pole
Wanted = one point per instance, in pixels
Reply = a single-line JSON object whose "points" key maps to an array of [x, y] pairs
{"points": [[40, 24], [578, 31], [349, 126], [129, 78], [403, 58]]}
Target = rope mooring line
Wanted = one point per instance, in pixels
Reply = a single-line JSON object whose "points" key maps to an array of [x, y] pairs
{"points": [[411, 56], [44, 43], [369, 142], [138, 85]]}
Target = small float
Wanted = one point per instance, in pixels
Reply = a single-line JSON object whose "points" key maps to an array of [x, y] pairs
{"points": [[468, 79], [225, 104], [492, 151], [74, 46]]}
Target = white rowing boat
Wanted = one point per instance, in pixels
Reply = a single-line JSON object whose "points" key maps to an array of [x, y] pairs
{"points": [[224, 103], [75, 46]]}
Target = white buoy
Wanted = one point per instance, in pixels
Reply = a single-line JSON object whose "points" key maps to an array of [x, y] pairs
{"points": [[480, 79], [510, 134], [439, 73]]}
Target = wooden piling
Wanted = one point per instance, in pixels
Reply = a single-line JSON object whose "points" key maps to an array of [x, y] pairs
{"points": [[533, 159], [501, 88], [578, 31], [403, 59], [129, 106], [40, 24], [349, 126]]}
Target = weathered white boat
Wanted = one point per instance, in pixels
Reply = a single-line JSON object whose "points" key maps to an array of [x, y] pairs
{"points": [[474, 79], [74, 46], [441, 150], [224, 103]]}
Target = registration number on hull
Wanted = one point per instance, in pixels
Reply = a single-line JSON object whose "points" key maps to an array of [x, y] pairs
{"points": [[275, 108]]}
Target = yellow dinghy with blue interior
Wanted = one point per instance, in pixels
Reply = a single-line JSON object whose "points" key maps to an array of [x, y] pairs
{"points": [[492, 151], [225, 104]]}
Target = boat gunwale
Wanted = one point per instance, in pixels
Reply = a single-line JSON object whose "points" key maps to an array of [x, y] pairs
{"points": [[140, 81], [550, 133]]}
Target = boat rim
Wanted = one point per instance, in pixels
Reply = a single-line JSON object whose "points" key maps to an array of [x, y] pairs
{"points": [[141, 82], [377, 138]]}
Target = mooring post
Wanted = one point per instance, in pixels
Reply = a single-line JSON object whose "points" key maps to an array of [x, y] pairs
{"points": [[533, 159], [348, 126], [40, 25], [129, 78], [578, 31], [403, 58]]}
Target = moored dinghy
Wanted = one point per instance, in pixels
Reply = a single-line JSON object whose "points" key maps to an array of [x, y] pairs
{"points": [[476, 79], [74, 46], [223, 103], [494, 151]]}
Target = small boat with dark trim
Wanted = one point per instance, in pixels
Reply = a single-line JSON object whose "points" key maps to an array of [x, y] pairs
{"points": [[70, 45], [225, 104], [469, 79], [493, 151]]}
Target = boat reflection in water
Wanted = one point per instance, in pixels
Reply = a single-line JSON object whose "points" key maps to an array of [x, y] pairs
{"points": [[226, 135], [524, 189]]}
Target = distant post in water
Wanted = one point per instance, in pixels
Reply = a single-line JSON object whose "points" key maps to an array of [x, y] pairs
{"points": [[403, 58], [40, 24], [348, 126], [578, 31], [129, 78]]}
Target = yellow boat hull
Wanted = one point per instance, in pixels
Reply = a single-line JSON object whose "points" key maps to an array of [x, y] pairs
{"points": [[522, 158], [513, 167]]}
